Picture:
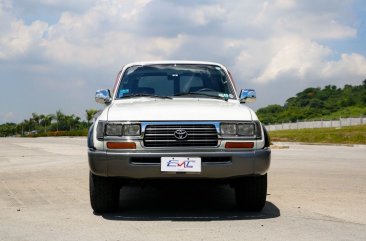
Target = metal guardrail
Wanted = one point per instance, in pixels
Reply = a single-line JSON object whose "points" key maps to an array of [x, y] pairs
{"points": [[317, 124]]}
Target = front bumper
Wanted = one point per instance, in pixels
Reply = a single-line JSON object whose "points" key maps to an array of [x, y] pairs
{"points": [[116, 164]]}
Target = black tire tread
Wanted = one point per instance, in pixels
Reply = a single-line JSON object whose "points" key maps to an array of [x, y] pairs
{"points": [[251, 193], [104, 193]]}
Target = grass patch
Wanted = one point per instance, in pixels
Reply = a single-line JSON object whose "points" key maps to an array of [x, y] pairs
{"points": [[347, 112], [344, 135]]}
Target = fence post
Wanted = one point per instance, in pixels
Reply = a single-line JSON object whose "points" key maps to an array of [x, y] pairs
{"points": [[340, 121]]}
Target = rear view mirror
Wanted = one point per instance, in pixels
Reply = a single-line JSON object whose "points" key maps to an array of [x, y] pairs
{"points": [[103, 96], [247, 96]]}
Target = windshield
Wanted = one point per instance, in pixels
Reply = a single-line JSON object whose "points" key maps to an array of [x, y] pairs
{"points": [[176, 80]]}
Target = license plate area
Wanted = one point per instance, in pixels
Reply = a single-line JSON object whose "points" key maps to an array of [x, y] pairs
{"points": [[180, 164]]}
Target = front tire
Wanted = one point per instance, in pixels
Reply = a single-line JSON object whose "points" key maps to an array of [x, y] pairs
{"points": [[104, 193], [251, 193]]}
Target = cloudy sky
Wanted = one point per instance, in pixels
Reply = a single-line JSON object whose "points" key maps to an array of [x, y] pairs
{"points": [[54, 54]]}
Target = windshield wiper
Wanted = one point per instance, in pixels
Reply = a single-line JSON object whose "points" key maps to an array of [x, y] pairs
{"points": [[145, 95], [202, 94]]}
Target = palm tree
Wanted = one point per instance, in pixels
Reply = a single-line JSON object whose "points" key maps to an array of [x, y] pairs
{"points": [[46, 120], [75, 120], [22, 126], [36, 118], [90, 114], [59, 117], [27, 126], [72, 120]]}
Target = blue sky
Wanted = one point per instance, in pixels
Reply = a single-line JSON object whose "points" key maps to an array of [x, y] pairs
{"points": [[54, 54]]}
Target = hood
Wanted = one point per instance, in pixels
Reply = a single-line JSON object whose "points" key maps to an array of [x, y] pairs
{"points": [[178, 109]]}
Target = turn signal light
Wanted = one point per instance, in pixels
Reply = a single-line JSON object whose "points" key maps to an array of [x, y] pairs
{"points": [[239, 145], [121, 145]]}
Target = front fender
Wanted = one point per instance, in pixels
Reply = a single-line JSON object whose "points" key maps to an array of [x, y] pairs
{"points": [[90, 138]]}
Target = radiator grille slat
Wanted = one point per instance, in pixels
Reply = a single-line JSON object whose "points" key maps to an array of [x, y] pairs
{"points": [[197, 135]]}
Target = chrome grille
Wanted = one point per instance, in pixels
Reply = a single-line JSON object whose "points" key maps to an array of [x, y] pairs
{"points": [[197, 135]]}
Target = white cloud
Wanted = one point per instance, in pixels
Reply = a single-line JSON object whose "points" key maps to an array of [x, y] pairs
{"points": [[318, 27], [298, 59], [345, 69], [296, 17], [109, 49], [205, 14], [17, 38], [20, 38], [291, 55], [7, 117], [263, 42], [99, 37]]}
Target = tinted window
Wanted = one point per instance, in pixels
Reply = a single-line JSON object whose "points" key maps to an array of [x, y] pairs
{"points": [[171, 80]]}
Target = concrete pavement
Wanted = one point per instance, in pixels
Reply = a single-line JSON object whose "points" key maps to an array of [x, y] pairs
{"points": [[315, 193]]}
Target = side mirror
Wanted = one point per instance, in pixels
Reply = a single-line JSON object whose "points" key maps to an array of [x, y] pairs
{"points": [[103, 96], [247, 96]]}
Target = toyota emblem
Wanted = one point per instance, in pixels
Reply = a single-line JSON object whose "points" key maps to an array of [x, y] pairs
{"points": [[180, 134]]}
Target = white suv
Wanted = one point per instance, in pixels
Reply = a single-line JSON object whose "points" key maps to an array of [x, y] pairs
{"points": [[177, 121]]}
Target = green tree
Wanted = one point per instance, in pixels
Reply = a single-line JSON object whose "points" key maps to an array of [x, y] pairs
{"points": [[59, 117], [317, 103], [45, 120], [35, 119], [72, 121], [8, 129], [90, 114]]}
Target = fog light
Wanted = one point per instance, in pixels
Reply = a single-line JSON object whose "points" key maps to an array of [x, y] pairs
{"points": [[239, 145], [121, 145]]}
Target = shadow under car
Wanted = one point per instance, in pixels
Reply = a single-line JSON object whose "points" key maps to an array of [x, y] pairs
{"points": [[192, 203]]}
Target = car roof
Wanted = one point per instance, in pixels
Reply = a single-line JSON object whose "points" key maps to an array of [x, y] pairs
{"points": [[173, 62]]}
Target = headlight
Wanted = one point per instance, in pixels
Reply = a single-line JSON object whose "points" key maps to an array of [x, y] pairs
{"points": [[113, 130], [228, 129], [241, 130], [246, 129], [105, 129], [131, 130]]}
